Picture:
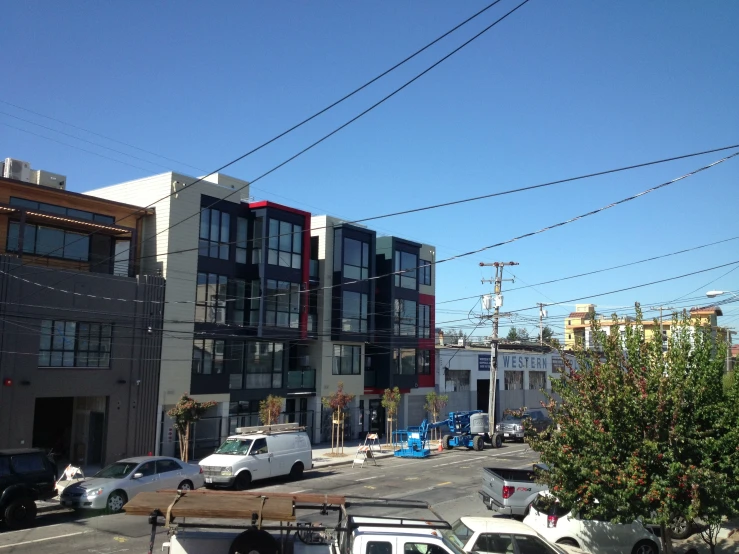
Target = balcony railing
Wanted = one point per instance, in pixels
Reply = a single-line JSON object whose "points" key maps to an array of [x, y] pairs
{"points": [[301, 379]]}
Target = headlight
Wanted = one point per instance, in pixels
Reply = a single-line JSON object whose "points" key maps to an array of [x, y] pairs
{"points": [[94, 492], [498, 427], [519, 427], [227, 471]]}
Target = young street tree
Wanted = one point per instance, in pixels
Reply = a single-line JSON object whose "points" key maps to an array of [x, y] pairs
{"points": [[186, 412], [435, 403], [645, 434], [391, 401], [337, 403], [269, 410]]}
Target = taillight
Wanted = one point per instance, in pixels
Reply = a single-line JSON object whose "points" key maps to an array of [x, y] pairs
{"points": [[201, 469], [552, 521], [508, 491]]}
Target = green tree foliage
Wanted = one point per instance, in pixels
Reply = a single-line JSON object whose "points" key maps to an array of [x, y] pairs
{"points": [[269, 409], [337, 402], [645, 434], [435, 403], [186, 412], [546, 335], [391, 401], [520, 333]]}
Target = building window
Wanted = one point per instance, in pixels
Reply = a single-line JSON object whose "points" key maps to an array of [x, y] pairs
{"points": [[407, 263], [513, 380], [424, 272], [424, 362], [215, 234], [347, 360], [61, 210], [404, 361], [356, 259], [74, 344], [282, 304], [263, 364], [241, 237], [537, 380], [49, 241], [207, 356], [285, 244], [238, 300], [210, 299], [354, 312], [424, 321], [255, 302], [405, 317], [257, 235]]}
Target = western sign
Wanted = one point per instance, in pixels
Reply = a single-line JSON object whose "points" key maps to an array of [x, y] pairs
{"points": [[508, 361]]}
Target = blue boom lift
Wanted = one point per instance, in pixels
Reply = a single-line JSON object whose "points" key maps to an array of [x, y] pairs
{"points": [[468, 429]]}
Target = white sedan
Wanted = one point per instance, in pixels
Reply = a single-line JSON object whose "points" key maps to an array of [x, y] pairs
{"points": [[499, 535], [560, 525], [110, 488]]}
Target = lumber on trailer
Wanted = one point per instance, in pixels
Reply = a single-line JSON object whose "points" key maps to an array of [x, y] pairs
{"points": [[304, 498], [202, 505]]}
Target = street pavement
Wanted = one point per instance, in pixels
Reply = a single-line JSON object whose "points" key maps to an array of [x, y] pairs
{"points": [[449, 481]]}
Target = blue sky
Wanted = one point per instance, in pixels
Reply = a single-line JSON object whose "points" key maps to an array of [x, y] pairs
{"points": [[558, 89]]}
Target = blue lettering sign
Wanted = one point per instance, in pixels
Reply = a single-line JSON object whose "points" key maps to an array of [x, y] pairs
{"points": [[483, 362]]}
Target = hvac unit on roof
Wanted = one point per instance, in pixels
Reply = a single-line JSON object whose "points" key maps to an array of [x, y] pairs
{"points": [[17, 169], [48, 179]]}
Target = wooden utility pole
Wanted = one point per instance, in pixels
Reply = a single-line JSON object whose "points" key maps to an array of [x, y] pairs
{"points": [[661, 335], [542, 315], [498, 281]]}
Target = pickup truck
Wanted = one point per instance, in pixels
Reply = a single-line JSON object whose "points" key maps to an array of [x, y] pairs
{"points": [[510, 491], [271, 524]]}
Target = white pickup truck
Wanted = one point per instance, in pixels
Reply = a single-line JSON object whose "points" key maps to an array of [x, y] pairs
{"points": [[268, 524]]}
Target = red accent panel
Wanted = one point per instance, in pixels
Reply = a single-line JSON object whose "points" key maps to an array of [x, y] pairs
{"points": [[268, 204], [429, 343]]}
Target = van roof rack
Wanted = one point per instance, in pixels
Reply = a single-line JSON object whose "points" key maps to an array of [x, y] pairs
{"points": [[269, 429]]}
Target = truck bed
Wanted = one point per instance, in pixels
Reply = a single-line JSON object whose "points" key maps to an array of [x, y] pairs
{"points": [[524, 475], [510, 491]]}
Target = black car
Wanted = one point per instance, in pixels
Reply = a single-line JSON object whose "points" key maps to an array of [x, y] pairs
{"points": [[512, 426], [26, 475]]}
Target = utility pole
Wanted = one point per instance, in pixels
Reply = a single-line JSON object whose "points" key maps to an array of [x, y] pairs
{"points": [[498, 281], [542, 315], [661, 332]]}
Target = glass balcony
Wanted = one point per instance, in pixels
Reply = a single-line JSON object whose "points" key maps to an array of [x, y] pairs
{"points": [[301, 379]]}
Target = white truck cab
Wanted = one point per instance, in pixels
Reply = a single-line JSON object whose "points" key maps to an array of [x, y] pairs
{"points": [[258, 453]]}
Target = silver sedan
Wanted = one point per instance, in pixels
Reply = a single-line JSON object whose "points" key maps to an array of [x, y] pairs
{"points": [[110, 488]]}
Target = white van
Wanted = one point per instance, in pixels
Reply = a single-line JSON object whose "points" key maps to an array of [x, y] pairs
{"points": [[258, 453]]}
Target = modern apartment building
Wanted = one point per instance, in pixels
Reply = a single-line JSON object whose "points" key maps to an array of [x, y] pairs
{"points": [[79, 326], [275, 301]]}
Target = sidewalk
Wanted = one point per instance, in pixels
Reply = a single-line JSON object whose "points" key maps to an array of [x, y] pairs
{"points": [[726, 543]]}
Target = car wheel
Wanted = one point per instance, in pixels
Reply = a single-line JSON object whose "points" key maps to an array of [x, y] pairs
{"points": [[679, 528], [296, 472], [186, 485], [568, 542], [243, 480], [116, 501], [20, 513], [645, 547]]}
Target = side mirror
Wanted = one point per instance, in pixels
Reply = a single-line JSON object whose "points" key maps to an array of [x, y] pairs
{"points": [[137, 476]]}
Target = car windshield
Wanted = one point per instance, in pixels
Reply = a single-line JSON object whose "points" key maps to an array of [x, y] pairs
{"points": [[459, 534], [118, 470], [451, 545], [239, 447], [510, 417]]}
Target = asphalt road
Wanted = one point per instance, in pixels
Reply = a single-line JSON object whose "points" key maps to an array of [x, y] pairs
{"points": [[448, 481]]}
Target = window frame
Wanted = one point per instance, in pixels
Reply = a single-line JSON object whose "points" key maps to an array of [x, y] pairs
{"points": [[211, 293], [281, 249], [423, 364], [282, 297], [424, 321], [409, 275], [355, 357], [75, 347], [218, 247], [361, 318], [274, 364], [508, 379], [424, 272], [58, 253], [358, 272], [399, 354], [213, 367], [541, 376], [402, 325]]}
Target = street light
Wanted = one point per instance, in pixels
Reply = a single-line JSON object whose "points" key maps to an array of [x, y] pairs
{"points": [[715, 293]]}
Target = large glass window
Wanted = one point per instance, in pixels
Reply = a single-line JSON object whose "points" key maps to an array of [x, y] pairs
{"points": [[61, 210], [285, 244], [406, 263], [424, 362], [282, 304], [404, 361], [74, 344], [347, 360], [513, 380], [207, 356], [49, 241], [356, 259], [215, 234], [255, 302], [257, 235], [424, 321], [210, 299], [263, 364], [238, 300], [242, 225], [405, 317], [424, 272], [537, 380], [354, 312]]}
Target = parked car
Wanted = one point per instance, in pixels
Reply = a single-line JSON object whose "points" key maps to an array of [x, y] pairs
{"points": [[560, 525], [510, 491], [110, 488], [512, 427], [248, 457], [500, 535], [26, 475]]}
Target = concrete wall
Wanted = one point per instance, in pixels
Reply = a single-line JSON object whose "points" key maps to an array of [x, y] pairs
{"points": [[129, 386]]}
